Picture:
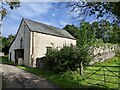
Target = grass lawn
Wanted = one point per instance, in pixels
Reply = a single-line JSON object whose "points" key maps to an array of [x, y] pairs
{"points": [[108, 74], [72, 79]]}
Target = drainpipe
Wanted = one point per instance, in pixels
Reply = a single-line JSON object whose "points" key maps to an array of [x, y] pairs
{"points": [[32, 55]]}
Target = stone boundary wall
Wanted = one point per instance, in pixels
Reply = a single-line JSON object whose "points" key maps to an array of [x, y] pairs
{"points": [[101, 53]]}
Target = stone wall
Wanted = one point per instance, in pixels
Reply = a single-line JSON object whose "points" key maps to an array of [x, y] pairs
{"points": [[40, 62], [102, 53]]}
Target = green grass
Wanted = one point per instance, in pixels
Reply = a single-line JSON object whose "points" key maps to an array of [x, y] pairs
{"points": [[115, 61], [4, 60], [98, 76], [108, 71]]}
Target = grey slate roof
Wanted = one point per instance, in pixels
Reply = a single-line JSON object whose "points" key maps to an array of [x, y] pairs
{"points": [[47, 29]]}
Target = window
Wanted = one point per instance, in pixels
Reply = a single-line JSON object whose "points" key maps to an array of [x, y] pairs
{"points": [[48, 48]]}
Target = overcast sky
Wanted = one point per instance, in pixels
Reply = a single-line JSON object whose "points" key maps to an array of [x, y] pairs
{"points": [[43, 12]]}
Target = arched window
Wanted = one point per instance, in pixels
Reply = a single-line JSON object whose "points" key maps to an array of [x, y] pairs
{"points": [[21, 43]]}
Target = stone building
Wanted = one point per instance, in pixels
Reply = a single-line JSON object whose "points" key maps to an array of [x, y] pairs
{"points": [[33, 39]]}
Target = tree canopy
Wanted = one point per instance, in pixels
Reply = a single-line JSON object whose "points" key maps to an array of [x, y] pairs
{"points": [[71, 29], [96, 32], [98, 9], [13, 4], [6, 41]]}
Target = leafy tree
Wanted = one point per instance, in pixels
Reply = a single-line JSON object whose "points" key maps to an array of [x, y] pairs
{"points": [[6, 41], [13, 4], [115, 33], [84, 40], [72, 30], [102, 30], [85, 34], [98, 32], [98, 9]]}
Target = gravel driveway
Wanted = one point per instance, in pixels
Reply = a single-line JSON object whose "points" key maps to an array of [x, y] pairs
{"points": [[13, 77]]}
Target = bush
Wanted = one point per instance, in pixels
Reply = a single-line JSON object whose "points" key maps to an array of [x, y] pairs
{"points": [[68, 58], [117, 52]]}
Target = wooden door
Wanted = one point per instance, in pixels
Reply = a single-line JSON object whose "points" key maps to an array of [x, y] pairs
{"points": [[19, 53]]}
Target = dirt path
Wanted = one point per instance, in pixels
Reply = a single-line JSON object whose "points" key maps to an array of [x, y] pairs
{"points": [[13, 77]]}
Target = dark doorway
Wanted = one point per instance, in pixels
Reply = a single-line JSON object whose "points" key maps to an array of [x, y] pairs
{"points": [[19, 53]]}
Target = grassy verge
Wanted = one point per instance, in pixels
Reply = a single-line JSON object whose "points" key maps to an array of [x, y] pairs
{"points": [[4, 60]]}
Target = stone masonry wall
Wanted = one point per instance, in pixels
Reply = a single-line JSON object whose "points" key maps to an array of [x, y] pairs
{"points": [[102, 53]]}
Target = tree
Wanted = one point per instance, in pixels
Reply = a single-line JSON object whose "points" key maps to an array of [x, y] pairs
{"points": [[85, 37], [105, 29], [102, 30], [72, 30], [6, 41], [84, 40], [98, 32], [98, 9], [13, 4], [95, 29], [115, 33]]}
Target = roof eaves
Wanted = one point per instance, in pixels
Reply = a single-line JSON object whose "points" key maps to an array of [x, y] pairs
{"points": [[51, 34]]}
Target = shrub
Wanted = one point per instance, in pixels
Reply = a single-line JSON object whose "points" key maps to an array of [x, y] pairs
{"points": [[117, 52], [68, 58]]}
